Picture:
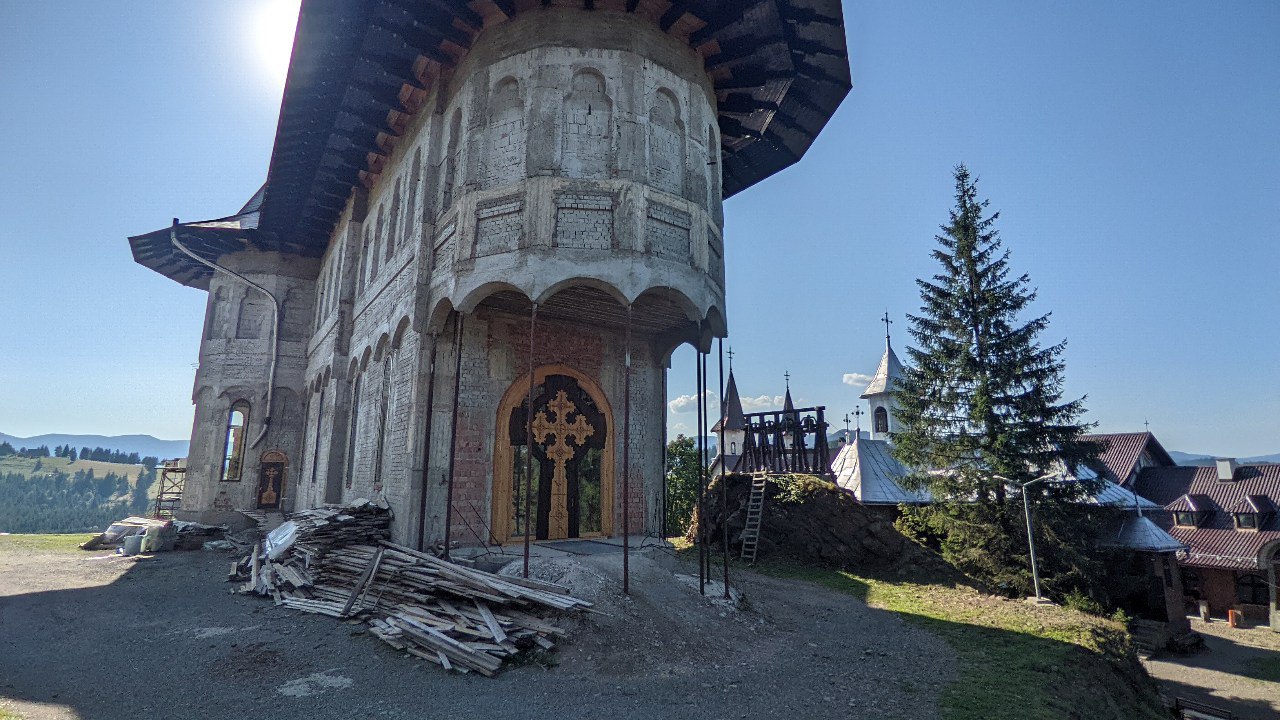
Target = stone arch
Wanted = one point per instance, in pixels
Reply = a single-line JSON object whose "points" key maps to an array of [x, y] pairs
{"points": [[380, 347], [438, 316], [364, 358], [402, 327], [586, 148], [412, 190], [363, 265], [602, 285], [715, 322], [674, 296], [667, 147], [505, 138], [504, 455], [472, 299]]}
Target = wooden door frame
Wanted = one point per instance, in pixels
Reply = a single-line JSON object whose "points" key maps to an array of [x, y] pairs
{"points": [[500, 512]]}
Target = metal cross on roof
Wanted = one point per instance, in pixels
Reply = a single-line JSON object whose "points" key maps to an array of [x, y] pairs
{"points": [[730, 354], [857, 418], [887, 323], [787, 375]]}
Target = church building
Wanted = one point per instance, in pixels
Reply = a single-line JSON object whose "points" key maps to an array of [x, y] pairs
{"points": [[485, 227]]}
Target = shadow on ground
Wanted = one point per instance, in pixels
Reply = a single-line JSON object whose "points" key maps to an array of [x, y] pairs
{"points": [[163, 637]]}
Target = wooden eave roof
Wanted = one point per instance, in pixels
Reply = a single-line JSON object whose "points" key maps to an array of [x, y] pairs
{"points": [[362, 68]]}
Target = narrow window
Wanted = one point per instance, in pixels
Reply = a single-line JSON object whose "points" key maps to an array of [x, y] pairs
{"points": [[315, 446], [353, 427], [387, 370], [882, 420], [237, 424]]}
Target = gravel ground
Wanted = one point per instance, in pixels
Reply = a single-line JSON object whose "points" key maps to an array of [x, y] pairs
{"points": [[1218, 675], [83, 636]]}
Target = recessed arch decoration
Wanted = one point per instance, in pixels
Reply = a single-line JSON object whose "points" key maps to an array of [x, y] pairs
{"points": [[573, 449]]}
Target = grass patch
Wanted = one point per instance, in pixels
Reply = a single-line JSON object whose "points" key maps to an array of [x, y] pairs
{"points": [[1266, 668], [1013, 660], [42, 543]]}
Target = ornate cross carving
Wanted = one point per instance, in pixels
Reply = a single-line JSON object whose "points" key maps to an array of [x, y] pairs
{"points": [[269, 496], [560, 452]]}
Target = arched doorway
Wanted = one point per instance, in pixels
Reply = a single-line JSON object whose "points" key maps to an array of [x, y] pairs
{"points": [[272, 469], [573, 459]]}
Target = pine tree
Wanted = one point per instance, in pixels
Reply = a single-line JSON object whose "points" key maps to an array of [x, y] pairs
{"points": [[983, 398]]}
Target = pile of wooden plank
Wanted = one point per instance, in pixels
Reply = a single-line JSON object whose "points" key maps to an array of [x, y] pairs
{"points": [[341, 565]]}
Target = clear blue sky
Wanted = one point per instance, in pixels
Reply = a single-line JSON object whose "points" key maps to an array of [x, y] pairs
{"points": [[1133, 150]]}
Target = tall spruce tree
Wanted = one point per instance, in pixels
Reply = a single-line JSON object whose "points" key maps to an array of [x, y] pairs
{"points": [[982, 398]]}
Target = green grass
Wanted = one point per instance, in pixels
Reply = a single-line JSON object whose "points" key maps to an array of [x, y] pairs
{"points": [[26, 466], [1013, 660], [1265, 668], [41, 543]]}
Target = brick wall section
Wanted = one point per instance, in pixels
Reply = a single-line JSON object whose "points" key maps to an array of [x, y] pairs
{"points": [[584, 221], [667, 232]]}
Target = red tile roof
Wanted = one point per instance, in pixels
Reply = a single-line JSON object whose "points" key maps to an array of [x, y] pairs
{"points": [[1217, 542], [1121, 452]]}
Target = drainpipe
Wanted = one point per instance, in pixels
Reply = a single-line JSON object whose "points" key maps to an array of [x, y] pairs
{"points": [[275, 324]]}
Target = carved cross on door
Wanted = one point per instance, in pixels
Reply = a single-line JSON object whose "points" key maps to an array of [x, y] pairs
{"points": [[560, 452]]}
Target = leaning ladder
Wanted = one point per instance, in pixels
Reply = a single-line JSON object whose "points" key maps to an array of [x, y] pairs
{"points": [[755, 514]]}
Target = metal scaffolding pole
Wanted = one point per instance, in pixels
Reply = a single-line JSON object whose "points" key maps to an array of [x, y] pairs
{"points": [[453, 432], [528, 441], [700, 538], [724, 479], [426, 444], [626, 465]]}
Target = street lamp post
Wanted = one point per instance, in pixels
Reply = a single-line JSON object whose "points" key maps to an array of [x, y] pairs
{"points": [[1031, 540]]}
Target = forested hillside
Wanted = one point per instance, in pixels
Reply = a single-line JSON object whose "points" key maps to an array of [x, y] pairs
{"points": [[60, 491]]}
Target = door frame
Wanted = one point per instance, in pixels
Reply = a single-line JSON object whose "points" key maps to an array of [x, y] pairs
{"points": [[500, 515]]}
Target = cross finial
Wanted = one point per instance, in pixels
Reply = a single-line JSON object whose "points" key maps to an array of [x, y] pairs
{"points": [[1147, 425], [730, 354], [787, 375], [846, 425], [857, 415], [887, 323]]}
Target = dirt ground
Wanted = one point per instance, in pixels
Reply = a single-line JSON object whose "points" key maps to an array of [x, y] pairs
{"points": [[1219, 675], [90, 636]]}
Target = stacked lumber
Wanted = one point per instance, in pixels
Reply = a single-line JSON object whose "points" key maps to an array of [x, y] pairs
{"points": [[468, 620]]}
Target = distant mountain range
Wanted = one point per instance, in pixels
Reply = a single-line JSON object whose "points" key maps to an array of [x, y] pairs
{"points": [[144, 445], [1191, 459]]}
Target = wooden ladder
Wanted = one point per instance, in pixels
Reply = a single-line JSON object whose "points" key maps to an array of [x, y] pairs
{"points": [[755, 514]]}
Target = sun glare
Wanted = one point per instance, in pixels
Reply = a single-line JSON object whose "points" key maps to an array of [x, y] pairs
{"points": [[273, 29]]}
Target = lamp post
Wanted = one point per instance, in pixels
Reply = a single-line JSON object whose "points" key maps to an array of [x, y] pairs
{"points": [[1031, 540]]}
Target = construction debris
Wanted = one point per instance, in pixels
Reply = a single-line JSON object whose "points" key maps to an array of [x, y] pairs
{"points": [[337, 561]]}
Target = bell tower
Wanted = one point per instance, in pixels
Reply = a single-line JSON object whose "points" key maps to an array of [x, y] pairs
{"points": [[879, 394]]}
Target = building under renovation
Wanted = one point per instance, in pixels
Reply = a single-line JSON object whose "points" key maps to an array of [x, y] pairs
{"points": [[486, 226]]}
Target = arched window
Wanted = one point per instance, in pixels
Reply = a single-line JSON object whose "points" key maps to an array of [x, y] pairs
{"points": [[388, 369], [353, 427], [395, 222], [1252, 590], [233, 459], [315, 446], [881, 420]]}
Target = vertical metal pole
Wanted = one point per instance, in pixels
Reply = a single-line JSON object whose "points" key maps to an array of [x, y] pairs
{"points": [[453, 432], [702, 465], [528, 442], [724, 480], [626, 465], [426, 444], [1031, 541], [702, 517]]}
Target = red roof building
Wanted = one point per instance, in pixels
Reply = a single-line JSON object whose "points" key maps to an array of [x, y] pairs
{"points": [[1227, 515]]}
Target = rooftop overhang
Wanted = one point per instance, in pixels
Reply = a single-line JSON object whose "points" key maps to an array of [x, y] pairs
{"points": [[361, 69]]}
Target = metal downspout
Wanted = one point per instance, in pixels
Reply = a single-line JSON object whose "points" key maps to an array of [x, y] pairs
{"points": [[275, 325]]}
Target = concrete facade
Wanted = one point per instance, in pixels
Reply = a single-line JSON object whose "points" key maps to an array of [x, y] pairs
{"points": [[570, 160]]}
